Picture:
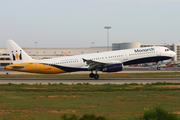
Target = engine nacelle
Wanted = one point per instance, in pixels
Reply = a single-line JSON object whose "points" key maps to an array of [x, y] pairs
{"points": [[113, 68]]}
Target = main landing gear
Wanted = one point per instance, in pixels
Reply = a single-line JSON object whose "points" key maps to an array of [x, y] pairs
{"points": [[158, 67], [92, 75]]}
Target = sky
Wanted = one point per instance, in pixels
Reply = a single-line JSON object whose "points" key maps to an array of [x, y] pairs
{"points": [[80, 23]]}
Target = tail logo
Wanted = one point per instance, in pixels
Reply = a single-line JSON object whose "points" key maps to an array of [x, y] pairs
{"points": [[17, 56]]}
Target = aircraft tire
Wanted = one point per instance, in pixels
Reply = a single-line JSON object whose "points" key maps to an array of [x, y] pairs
{"points": [[158, 68], [91, 75], [96, 76]]}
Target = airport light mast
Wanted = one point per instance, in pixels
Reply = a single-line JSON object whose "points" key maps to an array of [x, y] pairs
{"points": [[107, 27], [35, 44]]}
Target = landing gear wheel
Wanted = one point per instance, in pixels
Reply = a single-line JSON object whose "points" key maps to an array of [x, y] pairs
{"points": [[158, 68], [96, 76], [91, 75]]}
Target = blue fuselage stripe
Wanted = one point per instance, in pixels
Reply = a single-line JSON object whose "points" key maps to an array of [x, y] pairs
{"points": [[70, 69], [146, 60], [130, 62]]}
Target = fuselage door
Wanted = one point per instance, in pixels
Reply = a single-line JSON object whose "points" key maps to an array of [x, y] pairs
{"points": [[158, 51], [36, 67], [125, 57]]}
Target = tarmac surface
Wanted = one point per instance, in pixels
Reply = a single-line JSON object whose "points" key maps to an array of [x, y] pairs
{"points": [[87, 72], [90, 81]]}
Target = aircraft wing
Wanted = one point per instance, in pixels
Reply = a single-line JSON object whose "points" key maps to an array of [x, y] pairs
{"points": [[100, 65]]}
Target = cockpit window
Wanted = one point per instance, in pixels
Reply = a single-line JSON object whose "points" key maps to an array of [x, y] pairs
{"points": [[166, 50]]}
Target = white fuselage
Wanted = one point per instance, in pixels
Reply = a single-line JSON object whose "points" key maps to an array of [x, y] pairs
{"points": [[127, 57]]}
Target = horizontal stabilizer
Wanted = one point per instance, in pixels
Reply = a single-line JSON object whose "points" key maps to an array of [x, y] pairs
{"points": [[19, 67]]}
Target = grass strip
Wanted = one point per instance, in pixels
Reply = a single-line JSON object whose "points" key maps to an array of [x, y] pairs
{"points": [[34, 102]]}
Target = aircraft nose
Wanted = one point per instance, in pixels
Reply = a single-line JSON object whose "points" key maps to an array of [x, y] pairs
{"points": [[173, 53]]}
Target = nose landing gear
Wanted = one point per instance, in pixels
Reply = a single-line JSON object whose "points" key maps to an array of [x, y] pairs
{"points": [[158, 66]]}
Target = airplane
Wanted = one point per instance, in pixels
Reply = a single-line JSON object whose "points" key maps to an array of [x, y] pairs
{"points": [[110, 61]]}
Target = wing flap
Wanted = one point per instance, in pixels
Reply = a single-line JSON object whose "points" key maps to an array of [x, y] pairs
{"points": [[96, 64]]}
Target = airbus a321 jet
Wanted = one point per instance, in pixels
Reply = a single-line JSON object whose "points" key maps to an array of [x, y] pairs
{"points": [[111, 61]]}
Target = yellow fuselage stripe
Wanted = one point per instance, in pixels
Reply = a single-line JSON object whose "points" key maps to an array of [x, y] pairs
{"points": [[35, 68]]}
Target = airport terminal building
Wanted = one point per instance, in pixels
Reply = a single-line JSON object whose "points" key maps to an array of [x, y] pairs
{"points": [[45, 53]]}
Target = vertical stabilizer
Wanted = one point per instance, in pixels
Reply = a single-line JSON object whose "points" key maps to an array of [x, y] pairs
{"points": [[17, 54]]}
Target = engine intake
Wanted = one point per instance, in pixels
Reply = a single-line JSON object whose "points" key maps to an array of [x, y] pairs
{"points": [[113, 68]]}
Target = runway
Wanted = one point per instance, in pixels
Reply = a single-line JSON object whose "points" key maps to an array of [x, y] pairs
{"points": [[90, 81], [87, 72]]}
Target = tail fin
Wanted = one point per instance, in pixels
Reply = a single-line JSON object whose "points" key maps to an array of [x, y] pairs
{"points": [[17, 54]]}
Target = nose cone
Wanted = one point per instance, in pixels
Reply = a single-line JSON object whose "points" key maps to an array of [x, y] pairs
{"points": [[173, 54]]}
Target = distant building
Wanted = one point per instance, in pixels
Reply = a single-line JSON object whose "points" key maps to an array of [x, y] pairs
{"points": [[121, 46]]}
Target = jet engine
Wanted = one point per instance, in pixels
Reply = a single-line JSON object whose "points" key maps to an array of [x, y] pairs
{"points": [[113, 68]]}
